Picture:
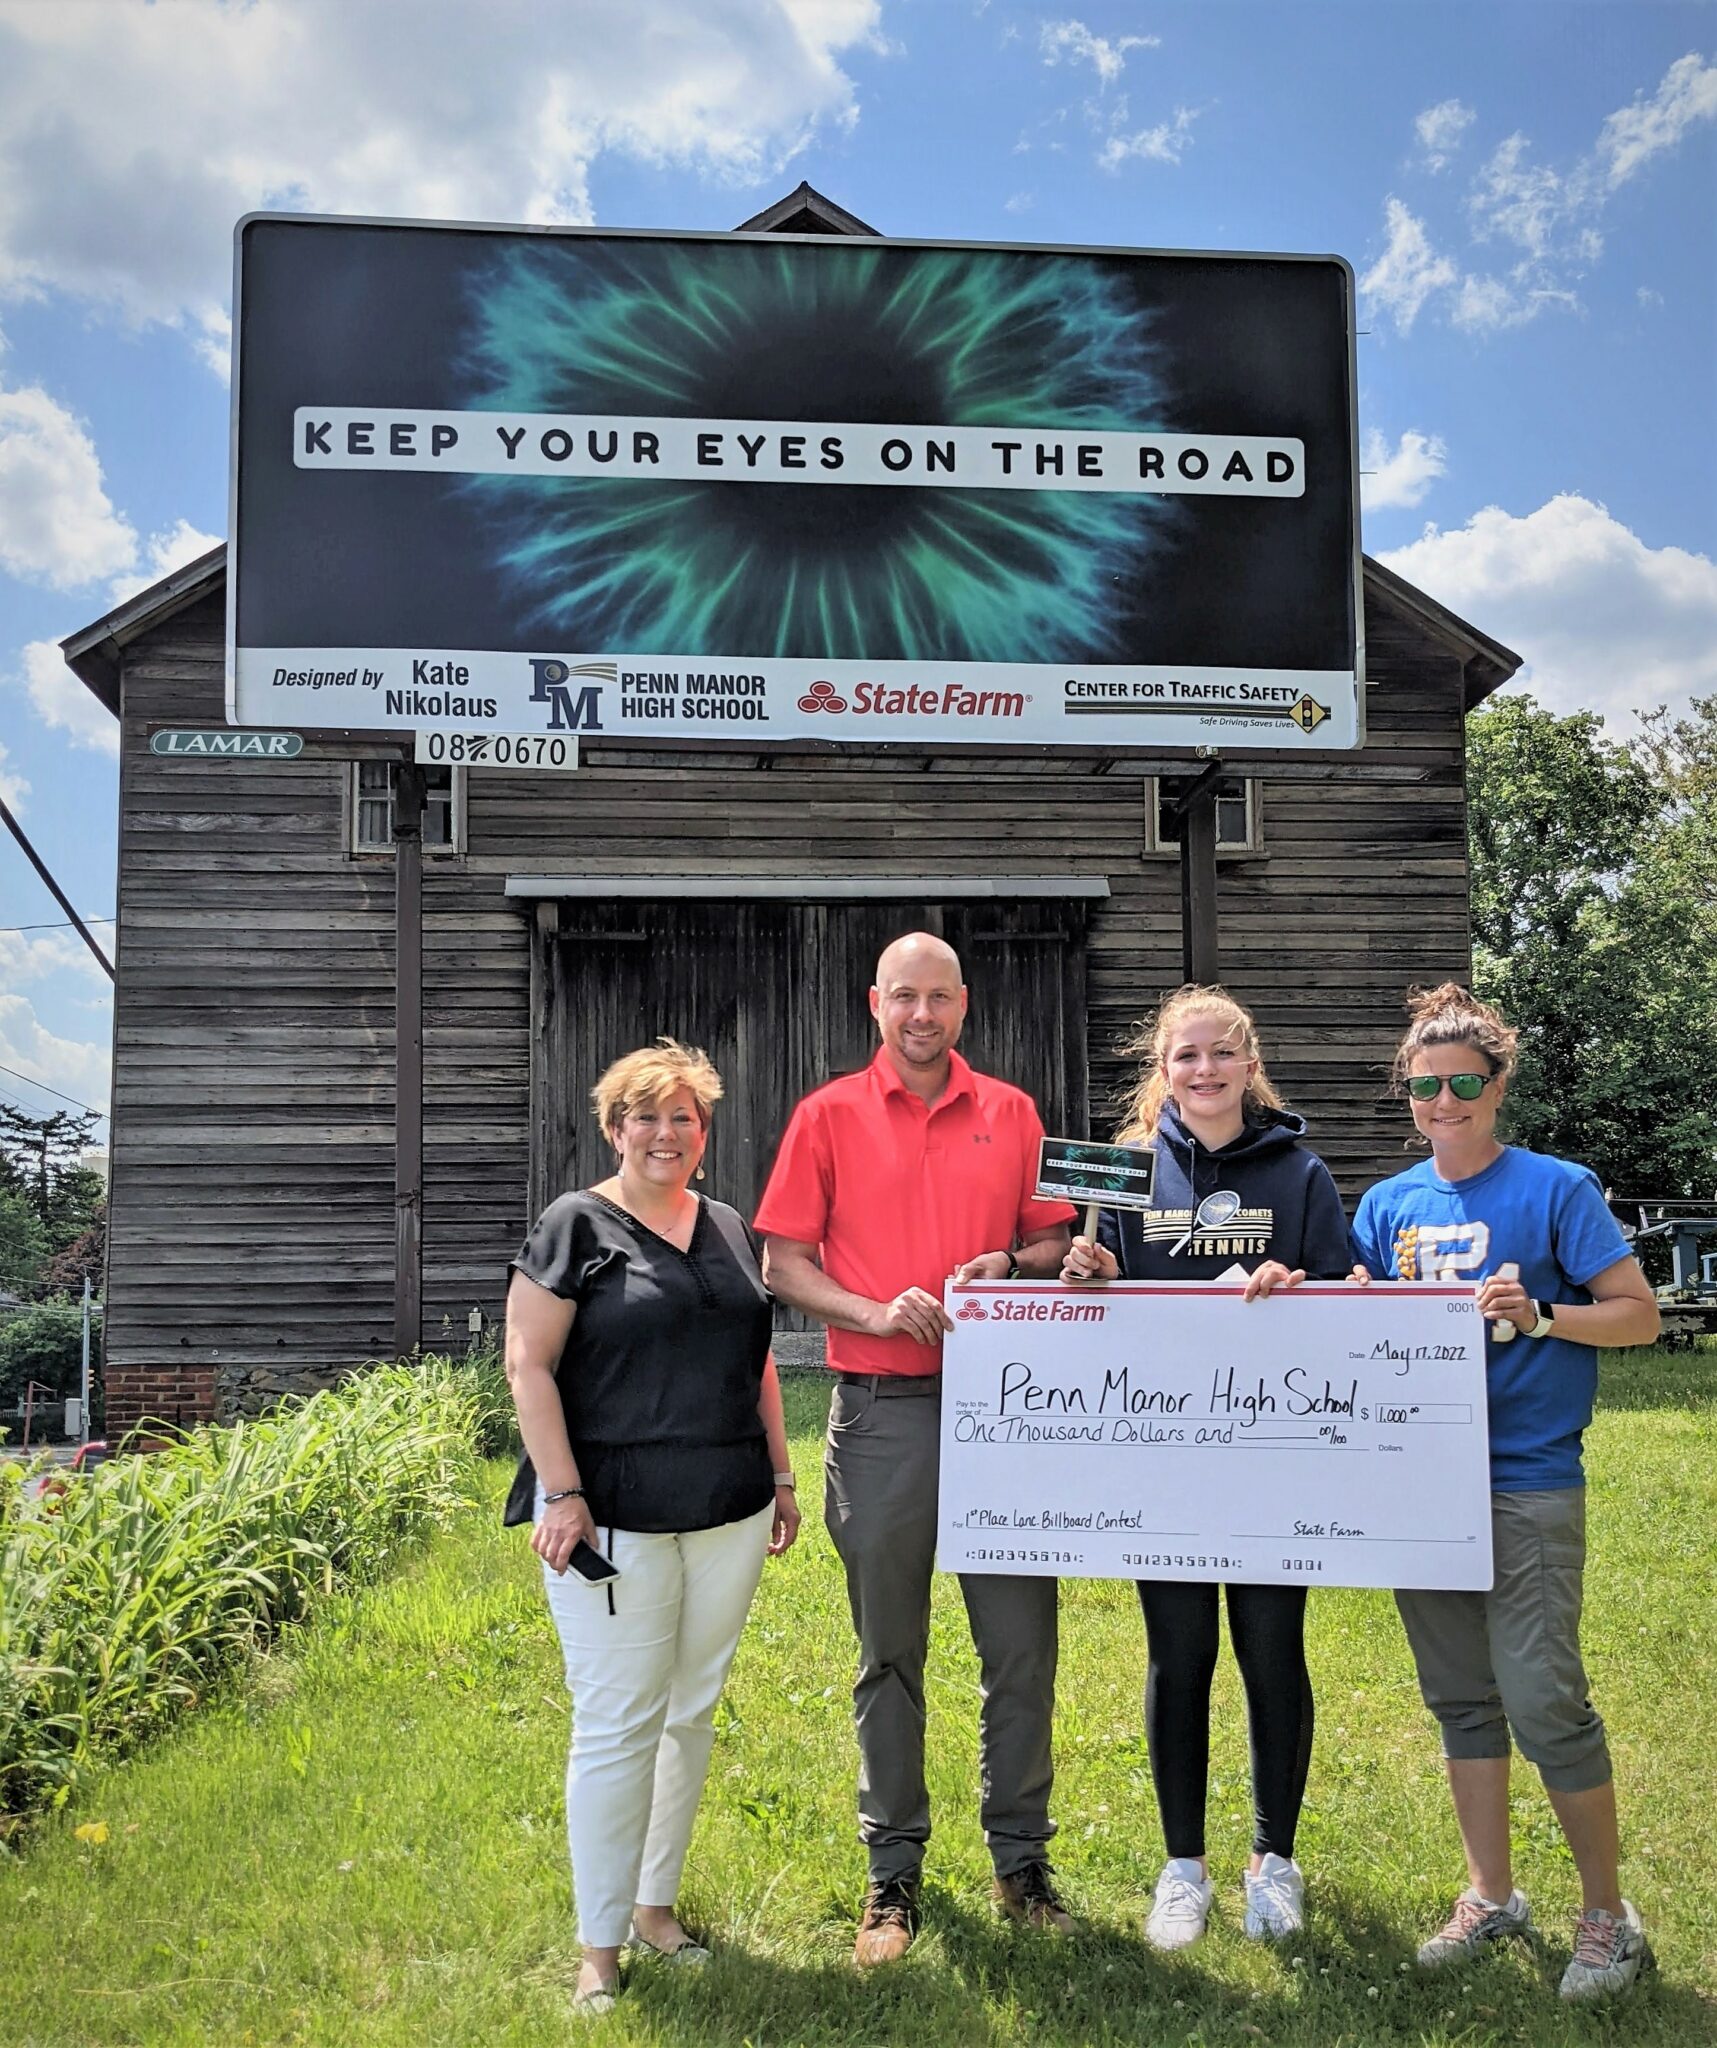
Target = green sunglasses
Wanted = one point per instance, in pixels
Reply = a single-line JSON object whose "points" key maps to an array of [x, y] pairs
{"points": [[1463, 1087]]}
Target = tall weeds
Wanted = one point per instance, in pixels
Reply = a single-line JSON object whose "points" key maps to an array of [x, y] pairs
{"points": [[125, 1595]]}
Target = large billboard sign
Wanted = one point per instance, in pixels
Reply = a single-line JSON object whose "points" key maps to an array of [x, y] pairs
{"points": [[763, 488]]}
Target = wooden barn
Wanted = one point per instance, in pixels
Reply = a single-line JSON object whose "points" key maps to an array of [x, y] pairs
{"points": [[736, 898]]}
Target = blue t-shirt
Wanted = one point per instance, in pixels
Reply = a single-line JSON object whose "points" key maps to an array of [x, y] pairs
{"points": [[1546, 1216]]}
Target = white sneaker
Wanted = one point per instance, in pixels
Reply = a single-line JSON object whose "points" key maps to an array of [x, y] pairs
{"points": [[1183, 1905], [1275, 1899], [1608, 1954], [1476, 1924]]}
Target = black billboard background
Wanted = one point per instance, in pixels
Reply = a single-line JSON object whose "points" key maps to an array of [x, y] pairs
{"points": [[392, 315]]}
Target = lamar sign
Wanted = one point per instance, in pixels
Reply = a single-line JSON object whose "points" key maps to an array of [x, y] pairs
{"points": [[912, 492], [228, 746]]}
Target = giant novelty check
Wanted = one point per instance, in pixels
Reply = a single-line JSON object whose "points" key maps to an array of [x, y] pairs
{"points": [[1331, 1436]]}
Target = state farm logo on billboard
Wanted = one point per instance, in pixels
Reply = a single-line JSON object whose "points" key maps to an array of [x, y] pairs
{"points": [[916, 700]]}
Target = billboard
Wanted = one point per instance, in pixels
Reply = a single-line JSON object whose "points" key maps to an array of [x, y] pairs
{"points": [[755, 488]]}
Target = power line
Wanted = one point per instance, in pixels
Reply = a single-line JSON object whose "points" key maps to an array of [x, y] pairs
{"points": [[65, 925], [31, 1081]]}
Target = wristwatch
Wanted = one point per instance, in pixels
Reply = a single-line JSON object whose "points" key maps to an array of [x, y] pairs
{"points": [[1012, 1272], [1545, 1325]]}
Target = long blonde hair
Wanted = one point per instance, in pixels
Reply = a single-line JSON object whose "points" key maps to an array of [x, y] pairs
{"points": [[1452, 1015], [1150, 1045]]}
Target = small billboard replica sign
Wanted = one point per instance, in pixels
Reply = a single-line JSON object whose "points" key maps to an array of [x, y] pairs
{"points": [[1112, 1176], [764, 488]]}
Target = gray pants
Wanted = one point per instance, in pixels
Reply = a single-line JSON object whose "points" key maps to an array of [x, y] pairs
{"points": [[1510, 1658], [880, 1473]]}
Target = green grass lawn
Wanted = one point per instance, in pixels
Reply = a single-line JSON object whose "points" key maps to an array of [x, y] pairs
{"points": [[362, 1842]]}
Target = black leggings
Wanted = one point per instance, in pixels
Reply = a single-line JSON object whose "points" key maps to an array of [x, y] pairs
{"points": [[1267, 1627]]}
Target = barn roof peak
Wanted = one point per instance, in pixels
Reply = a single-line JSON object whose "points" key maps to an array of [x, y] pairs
{"points": [[805, 211]]}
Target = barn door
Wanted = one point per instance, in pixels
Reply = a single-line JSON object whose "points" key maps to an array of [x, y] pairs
{"points": [[777, 994], [726, 976]]}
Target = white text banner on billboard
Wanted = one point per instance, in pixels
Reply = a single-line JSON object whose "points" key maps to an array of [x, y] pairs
{"points": [[988, 704], [1331, 1436], [795, 452], [760, 489]]}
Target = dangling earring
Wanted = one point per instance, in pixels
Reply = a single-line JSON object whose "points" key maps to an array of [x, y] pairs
{"points": [[698, 1175]]}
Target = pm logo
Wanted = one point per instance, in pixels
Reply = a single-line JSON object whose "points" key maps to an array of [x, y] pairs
{"points": [[575, 705], [971, 1311]]}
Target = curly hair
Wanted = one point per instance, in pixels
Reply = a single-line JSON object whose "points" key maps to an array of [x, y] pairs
{"points": [[1452, 1015], [651, 1074]]}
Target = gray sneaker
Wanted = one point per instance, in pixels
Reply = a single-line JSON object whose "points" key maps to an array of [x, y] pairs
{"points": [[1608, 1954], [1473, 1925]]}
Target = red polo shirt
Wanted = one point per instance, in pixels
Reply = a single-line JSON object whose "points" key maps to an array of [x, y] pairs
{"points": [[896, 1192]]}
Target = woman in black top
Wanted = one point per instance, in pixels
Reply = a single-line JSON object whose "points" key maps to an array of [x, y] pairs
{"points": [[638, 1354]]}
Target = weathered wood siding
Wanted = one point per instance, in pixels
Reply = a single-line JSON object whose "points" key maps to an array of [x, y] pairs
{"points": [[253, 1100]]}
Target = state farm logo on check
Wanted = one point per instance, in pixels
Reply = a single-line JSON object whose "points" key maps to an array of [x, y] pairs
{"points": [[1009, 1310]]}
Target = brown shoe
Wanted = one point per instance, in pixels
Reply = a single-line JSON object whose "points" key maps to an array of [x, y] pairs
{"points": [[1029, 1896], [889, 1923]]}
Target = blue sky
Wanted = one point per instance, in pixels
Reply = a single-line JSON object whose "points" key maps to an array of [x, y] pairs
{"points": [[1527, 191]]}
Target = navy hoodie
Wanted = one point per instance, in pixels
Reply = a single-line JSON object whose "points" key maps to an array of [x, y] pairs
{"points": [[1273, 1199]]}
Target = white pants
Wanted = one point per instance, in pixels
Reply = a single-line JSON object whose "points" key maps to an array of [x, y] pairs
{"points": [[644, 1681]]}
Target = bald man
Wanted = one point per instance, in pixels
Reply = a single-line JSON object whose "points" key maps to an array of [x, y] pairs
{"points": [[887, 1182]]}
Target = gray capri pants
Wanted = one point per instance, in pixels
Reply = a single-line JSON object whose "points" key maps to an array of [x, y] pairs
{"points": [[1510, 1658]]}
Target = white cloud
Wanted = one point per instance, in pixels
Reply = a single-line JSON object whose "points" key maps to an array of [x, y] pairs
{"points": [[1648, 298], [1166, 143], [1551, 216], [1632, 135], [13, 787], [132, 137], [1019, 202], [60, 700], [1520, 201], [163, 553], [27, 957], [1073, 41], [1603, 622], [1440, 130], [57, 523], [1402, 475], [1484, 305], [75, 1067], [1408, 271]]}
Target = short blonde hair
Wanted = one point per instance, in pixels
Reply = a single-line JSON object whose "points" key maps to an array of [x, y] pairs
{"points": [[1452, 1015], [1153, 1039], [650, 1075]]}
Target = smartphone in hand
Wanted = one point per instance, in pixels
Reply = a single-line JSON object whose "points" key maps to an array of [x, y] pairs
{"points": [[589, 1563]]}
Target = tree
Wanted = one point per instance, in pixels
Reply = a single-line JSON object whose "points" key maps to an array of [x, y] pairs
{"points": [[41, 1162], [85, 1257], [1588, 932], [23, 1244], [44, 1343]]}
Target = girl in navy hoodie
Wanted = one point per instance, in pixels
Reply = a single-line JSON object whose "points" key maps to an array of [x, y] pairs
{"points": [[1234, 1187]]}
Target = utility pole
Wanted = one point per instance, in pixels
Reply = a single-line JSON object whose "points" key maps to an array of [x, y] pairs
{"points": [[408, 805]]}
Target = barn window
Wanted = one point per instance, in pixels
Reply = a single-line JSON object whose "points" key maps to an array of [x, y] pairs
{"points": [[1236, 813], [372, 808]]}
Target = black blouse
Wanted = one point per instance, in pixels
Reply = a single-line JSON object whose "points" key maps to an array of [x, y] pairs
{"points": [[662, 1368]]}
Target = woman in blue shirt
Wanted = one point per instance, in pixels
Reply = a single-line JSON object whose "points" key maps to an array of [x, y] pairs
{"points": [[1556, 1283]]}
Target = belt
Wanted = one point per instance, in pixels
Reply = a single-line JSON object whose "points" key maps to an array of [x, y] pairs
{"points": [[883, 1384]]}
